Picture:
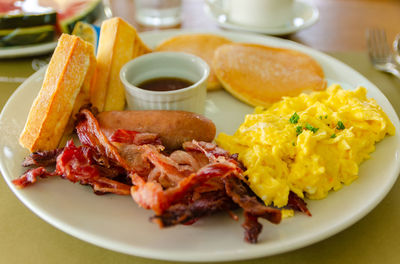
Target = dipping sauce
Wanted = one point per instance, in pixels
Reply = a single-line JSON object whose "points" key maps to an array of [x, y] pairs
{"points": [[165, 84]]}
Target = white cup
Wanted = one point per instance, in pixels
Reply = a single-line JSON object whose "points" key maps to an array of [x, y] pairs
{"points": [[166, 64], [255, 13]]}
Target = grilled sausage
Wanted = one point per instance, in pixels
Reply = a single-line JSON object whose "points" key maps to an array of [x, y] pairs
{"points": [[173, 127]]}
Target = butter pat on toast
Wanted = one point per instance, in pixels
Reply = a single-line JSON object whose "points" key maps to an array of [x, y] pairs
{"points": [[69, 73], [118, 44]]}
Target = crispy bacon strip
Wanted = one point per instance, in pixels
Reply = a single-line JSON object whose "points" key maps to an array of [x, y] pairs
{"points": [[89, 134], [105, 185], [211, 150], [296, 203], [133, 137], [253, 209], [252, 228], [208, 203], [150, 195], [30, 177], [241, 195], [75, 165], [42, 158], [171, 172]]}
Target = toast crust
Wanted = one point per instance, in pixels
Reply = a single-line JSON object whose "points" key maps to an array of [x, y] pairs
{"points": [[53, 106]]}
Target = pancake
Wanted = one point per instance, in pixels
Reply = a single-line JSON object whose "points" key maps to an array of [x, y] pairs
{"points": [[202, 45], [262, 75]]}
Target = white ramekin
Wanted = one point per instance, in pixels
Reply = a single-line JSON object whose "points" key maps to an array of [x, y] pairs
{"points": [[166, 64]]}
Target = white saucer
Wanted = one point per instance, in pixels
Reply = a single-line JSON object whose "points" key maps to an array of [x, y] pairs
{"points": [[304, 16]]}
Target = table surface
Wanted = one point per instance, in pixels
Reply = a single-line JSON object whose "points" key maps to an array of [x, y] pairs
{"points": [[340, 31]]}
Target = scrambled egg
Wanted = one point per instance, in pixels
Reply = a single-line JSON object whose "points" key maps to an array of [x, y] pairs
{"points": [[309, 144]]}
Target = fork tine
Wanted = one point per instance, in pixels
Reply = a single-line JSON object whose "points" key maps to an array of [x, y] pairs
{"points": [[378, 46], [384, 44], [371, 42], [378, 42]]}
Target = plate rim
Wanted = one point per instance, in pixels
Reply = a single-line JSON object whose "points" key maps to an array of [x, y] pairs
{"points": [[27, 50], [148, 253]]}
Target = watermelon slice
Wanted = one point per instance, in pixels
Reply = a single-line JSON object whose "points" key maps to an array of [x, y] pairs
{"points": [[28, 13], [71, 11]]}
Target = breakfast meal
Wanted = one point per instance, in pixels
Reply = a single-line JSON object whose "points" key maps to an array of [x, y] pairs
{"points": [[25, 22], [202, 45], [309, 144], [261, 75], [302, 141]]}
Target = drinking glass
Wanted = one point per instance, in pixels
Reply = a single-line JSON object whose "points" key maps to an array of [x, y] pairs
{"points": [[158, 13]]}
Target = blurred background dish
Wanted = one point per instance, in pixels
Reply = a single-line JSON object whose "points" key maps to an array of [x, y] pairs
{"points": [[27, 50], [31, 27], [304, 15]]}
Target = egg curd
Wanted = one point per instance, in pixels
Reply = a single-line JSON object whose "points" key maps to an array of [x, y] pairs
{"points": [[309, 144]]}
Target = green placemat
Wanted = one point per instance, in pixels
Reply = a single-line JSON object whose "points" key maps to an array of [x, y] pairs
{"points": [[25, 238], [14, 71]]}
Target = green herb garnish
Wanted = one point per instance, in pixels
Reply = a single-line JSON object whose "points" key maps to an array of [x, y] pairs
{"points": [[333, 135], [299, 130], [311, 128], [340, 125], [294, 118]]}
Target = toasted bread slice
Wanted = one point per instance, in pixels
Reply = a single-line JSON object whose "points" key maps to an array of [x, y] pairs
{"points": [[83, 97], [67, 72], [202, 45], [118, 44], [262, 75]]}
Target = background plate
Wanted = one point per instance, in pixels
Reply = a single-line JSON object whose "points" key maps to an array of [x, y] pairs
{"points": [[117, 223]]}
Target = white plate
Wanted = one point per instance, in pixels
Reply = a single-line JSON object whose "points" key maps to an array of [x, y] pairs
{"points": [[27, 50], [304, 16], [117, 223]]}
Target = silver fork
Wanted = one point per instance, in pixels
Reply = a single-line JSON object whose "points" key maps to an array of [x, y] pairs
{"points": [[396, 48], [379, 52]]}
